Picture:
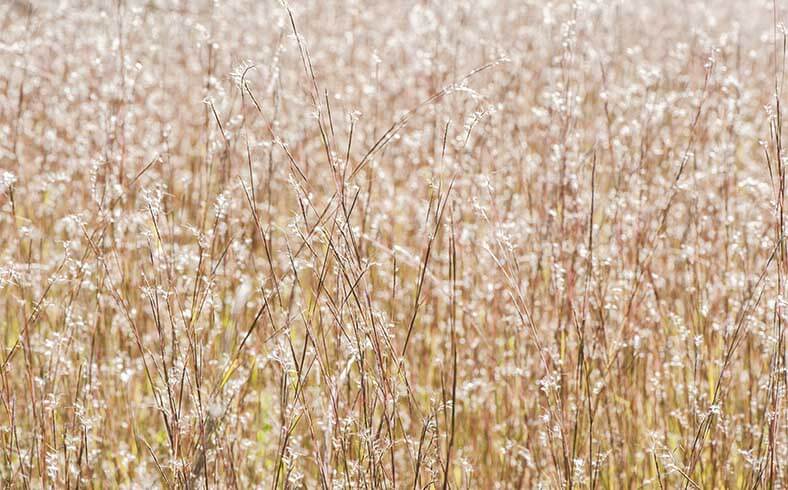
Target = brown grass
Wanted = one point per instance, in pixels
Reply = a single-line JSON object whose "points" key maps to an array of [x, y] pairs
{"points": [[418, 244]]}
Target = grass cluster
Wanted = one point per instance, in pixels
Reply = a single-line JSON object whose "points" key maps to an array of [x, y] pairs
{"points": [[393, 244]]}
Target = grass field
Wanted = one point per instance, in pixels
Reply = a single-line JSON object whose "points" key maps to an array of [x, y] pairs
{"points": [[393, 244]]}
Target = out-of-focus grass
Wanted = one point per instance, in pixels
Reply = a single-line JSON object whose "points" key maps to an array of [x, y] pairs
{"points": [[491, 244]]}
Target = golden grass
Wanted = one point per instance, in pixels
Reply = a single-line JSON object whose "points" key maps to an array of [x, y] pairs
{"points": [[418, 244]]}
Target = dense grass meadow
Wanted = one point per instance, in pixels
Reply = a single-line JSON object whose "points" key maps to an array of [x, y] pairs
{"points": [[422, 244]]}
